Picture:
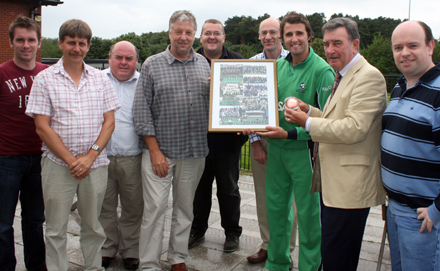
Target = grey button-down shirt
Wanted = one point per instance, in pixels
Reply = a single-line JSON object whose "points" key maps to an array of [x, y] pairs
{"points": [[172, 104]]}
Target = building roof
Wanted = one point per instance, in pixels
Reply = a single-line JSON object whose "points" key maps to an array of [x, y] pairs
{"points": [[45, 2]]}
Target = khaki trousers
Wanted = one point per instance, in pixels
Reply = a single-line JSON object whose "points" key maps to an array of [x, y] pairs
{"points": [[183, 176], [59, 189], [259, 175], [125, 181]]}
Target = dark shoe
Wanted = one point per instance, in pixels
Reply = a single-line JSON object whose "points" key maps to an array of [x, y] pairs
{"points": [[231, 243], [179, 267], [291, 263], [106, 261], [194, 239], [41, 267], [259, 257], [131, 263]]}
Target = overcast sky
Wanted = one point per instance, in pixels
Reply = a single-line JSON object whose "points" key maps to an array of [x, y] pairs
{"points": [[112, 18]]}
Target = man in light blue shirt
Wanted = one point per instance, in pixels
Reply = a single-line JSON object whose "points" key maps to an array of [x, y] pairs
{"points": [[124, 171]]}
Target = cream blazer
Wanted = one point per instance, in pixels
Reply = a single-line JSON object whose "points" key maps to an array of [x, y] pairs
{"points": [[349, 132]]}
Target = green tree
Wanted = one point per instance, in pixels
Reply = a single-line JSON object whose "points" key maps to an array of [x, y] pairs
{"points": [[139, 42], [380, 55], [50, 48], [436, 55], [99, 48], [242, 30], [318, 47], [317, 20], [246, 50]]}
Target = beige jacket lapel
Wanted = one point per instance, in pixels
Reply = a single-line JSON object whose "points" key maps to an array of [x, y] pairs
{"points": [[343, 84]]}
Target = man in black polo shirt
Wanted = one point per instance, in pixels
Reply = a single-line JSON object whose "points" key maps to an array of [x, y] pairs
{"points": [[222, 160]]}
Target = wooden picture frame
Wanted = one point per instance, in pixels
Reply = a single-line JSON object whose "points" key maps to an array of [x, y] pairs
{"points": [[244, 95]]}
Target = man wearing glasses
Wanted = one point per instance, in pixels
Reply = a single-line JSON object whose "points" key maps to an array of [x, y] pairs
{"points": [[222, 160], [269, 35]]}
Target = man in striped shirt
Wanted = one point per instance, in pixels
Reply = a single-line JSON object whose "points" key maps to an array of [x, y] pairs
{"points": [[410, 151], [73, 106]]}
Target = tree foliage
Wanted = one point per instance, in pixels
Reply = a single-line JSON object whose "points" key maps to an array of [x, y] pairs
{"points": [[380, 55], [50, 48], [242, 36]]}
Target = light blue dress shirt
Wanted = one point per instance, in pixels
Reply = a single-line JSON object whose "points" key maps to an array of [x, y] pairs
{"points": [[124, 140]]}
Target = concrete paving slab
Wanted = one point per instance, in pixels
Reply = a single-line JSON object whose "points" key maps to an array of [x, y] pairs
{"points": [[209, 255]]}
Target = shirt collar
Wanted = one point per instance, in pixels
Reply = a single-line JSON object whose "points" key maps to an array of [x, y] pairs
{"points": [[134, 77], [170, 58], [350, 64], [290, 58], [59, 67]]}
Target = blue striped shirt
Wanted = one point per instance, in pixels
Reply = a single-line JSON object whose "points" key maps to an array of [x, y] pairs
{"points": [[411, 146]]}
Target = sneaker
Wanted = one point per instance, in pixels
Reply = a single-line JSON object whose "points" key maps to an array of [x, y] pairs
{"points": [[231, 243], [194, 239]]}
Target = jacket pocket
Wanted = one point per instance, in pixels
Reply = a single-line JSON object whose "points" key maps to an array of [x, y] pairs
{"points": [[354, 159]]}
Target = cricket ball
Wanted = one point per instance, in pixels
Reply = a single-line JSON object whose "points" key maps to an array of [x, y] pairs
{"points": [[292, 103]]}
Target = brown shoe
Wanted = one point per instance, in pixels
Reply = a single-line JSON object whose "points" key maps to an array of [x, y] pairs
{"points": [[259, 257], [179, 267], [291, 263]]}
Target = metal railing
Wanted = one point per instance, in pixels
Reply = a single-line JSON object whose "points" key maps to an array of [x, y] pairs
{"points": [[245, 159]]}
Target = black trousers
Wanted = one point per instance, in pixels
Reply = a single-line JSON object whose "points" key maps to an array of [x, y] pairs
{"points": [[225, 168], [342, 232]]}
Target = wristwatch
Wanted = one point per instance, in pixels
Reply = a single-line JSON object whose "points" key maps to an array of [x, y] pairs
{"points": [[96, 148]]}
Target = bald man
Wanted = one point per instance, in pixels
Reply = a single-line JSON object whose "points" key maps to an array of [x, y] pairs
{"points": [[269, 35], [411, 174], [124, 170]]}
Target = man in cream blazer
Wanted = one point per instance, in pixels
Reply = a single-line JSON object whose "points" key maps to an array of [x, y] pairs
{"points": [[348, 132]]}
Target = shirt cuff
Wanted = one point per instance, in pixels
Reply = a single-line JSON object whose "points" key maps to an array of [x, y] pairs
{"points": [[310, 110], [434, 214], [254, 137], [308, 123], [292, 134]]}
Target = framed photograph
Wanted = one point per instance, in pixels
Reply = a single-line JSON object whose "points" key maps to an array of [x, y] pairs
{"points": [[243, 95]]}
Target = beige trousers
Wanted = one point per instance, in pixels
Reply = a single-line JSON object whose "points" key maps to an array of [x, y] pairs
{"points": [[259, 175], [59, 189], [125, 181], [183, 176]]}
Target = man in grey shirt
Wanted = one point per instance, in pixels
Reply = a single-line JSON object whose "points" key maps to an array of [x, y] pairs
{"points": [[171, 113]]}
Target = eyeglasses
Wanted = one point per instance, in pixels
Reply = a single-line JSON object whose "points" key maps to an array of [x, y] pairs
{"points": [[209, 33], [271, 32]]}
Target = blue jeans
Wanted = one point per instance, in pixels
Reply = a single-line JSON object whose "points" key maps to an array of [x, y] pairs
{"points": [[410, 249], [20, 176]]}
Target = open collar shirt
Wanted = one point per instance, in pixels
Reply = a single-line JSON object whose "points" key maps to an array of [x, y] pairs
{"points": [[262, 55], [76, 113], [124, 140], [172, 104]]}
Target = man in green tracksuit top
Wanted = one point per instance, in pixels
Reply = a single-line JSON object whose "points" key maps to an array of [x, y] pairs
{"points": [[304, 75]]}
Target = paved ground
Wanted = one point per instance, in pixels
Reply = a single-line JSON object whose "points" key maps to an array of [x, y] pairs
{"points": [[209, 255]]}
